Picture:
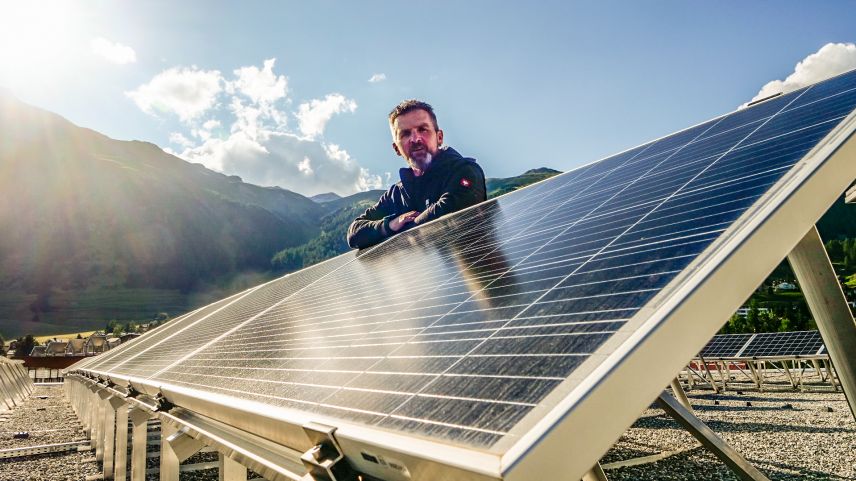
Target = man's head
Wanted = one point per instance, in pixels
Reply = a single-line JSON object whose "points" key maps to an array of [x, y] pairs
{"points": [[415, 134]]}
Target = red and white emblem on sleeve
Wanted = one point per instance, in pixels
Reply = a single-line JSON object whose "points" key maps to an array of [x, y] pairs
{"points": [[465, 182]]}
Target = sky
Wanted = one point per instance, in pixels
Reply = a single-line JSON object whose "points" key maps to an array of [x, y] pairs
{"points": [[296, 94]]}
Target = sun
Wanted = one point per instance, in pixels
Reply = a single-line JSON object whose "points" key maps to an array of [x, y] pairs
{"points": [[35, 38]]}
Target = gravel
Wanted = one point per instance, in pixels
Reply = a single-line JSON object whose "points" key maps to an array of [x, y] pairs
{"points": [[803, 441], [787, 435], [48, 421]]}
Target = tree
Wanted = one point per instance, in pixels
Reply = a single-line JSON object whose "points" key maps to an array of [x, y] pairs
{"points": [[752, 318], [768, 322], [110, 326], [25, 346], [736, 325]]}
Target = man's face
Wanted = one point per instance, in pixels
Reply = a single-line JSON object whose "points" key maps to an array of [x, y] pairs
{"points": [[416, 139]]}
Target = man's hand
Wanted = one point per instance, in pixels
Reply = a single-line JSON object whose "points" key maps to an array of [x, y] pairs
{"points": [[397, 223]]}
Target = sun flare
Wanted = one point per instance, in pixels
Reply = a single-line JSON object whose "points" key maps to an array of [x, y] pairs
{"points": [[34, 38]]}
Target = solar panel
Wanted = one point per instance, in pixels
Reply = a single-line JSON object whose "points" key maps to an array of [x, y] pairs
{"points": [[492, 340], [802, 343], [770, 344], [725, 345]]}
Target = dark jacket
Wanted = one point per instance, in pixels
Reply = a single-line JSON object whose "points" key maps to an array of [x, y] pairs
{"points": [[451, 183]]}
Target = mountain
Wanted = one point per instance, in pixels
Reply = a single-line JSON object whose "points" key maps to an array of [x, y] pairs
{"points": [[85, 218], [497, 187], [325, 197], [359, 197]]}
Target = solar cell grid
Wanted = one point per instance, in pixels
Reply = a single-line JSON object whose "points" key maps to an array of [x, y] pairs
{"points": [[725, 345], [802, 343], [461, 328]]}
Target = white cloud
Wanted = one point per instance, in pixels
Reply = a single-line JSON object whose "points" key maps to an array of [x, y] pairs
{"points": [[286, 160], [179, 139], [367, 181], [260, 85], [239, 126], [832, 59], [314, 115], [113, 51], [186, 92], [378, 77], [305, 167]]}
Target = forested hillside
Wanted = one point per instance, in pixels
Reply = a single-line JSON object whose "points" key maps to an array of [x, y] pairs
{"points": [[776, 307], [94, 228]]}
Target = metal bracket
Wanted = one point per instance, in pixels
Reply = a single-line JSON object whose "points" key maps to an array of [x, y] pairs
{"points": [[132, 393], [183, 444], [325, 461], [163, 405]]}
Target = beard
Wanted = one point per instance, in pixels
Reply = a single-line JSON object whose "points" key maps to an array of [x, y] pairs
{"points": [[420, 162]]}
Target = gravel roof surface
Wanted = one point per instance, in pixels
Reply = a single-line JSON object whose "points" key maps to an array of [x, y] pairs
{"points": [[787, 435], [48, 421], [813, 439]]}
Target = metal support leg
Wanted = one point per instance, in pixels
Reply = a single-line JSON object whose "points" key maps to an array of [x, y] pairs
{"points": [[680, 395], [755, 375], [100, 421], [120, 458], [139, 437], [829, 307], [6, 387], [737, 463], [169, 461], [231, 470], [833, 376], [109, 437], [595, 474], [712, 383], [788, 373]]}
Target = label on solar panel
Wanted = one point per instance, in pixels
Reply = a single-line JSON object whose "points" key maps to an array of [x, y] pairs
{"points": [[527, 332]]}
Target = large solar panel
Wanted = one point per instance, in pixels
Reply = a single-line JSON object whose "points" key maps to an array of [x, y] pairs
{"points": [[500, 329]]}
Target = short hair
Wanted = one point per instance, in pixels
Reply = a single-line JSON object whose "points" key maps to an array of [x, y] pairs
{"points": [[410, 105]]}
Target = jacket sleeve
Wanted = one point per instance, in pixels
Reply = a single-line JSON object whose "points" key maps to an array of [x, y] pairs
{"points": [[465, 187], [372, 226]]}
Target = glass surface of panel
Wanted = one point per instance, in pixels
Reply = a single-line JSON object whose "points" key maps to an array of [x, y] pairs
{"points": [[458, 329], [801, 343], [725, 345]]}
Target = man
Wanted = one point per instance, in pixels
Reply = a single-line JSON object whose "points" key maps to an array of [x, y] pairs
{"points": [[437, 181]]}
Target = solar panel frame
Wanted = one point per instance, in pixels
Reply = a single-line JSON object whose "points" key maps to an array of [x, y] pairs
{"points": [[712, 286]]}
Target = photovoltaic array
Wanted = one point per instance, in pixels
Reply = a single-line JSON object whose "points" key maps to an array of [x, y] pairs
{"points": [[770, 344], [460, 329]]}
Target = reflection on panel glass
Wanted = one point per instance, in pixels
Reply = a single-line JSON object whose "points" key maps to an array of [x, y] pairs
{"points": [[458, 329]]}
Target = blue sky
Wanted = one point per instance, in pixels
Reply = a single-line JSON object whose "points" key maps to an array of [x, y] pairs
{"points": [[279, 92]]}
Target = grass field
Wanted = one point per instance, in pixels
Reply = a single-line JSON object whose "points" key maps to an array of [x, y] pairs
{"points": [[68, 335], [83, 311]]}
